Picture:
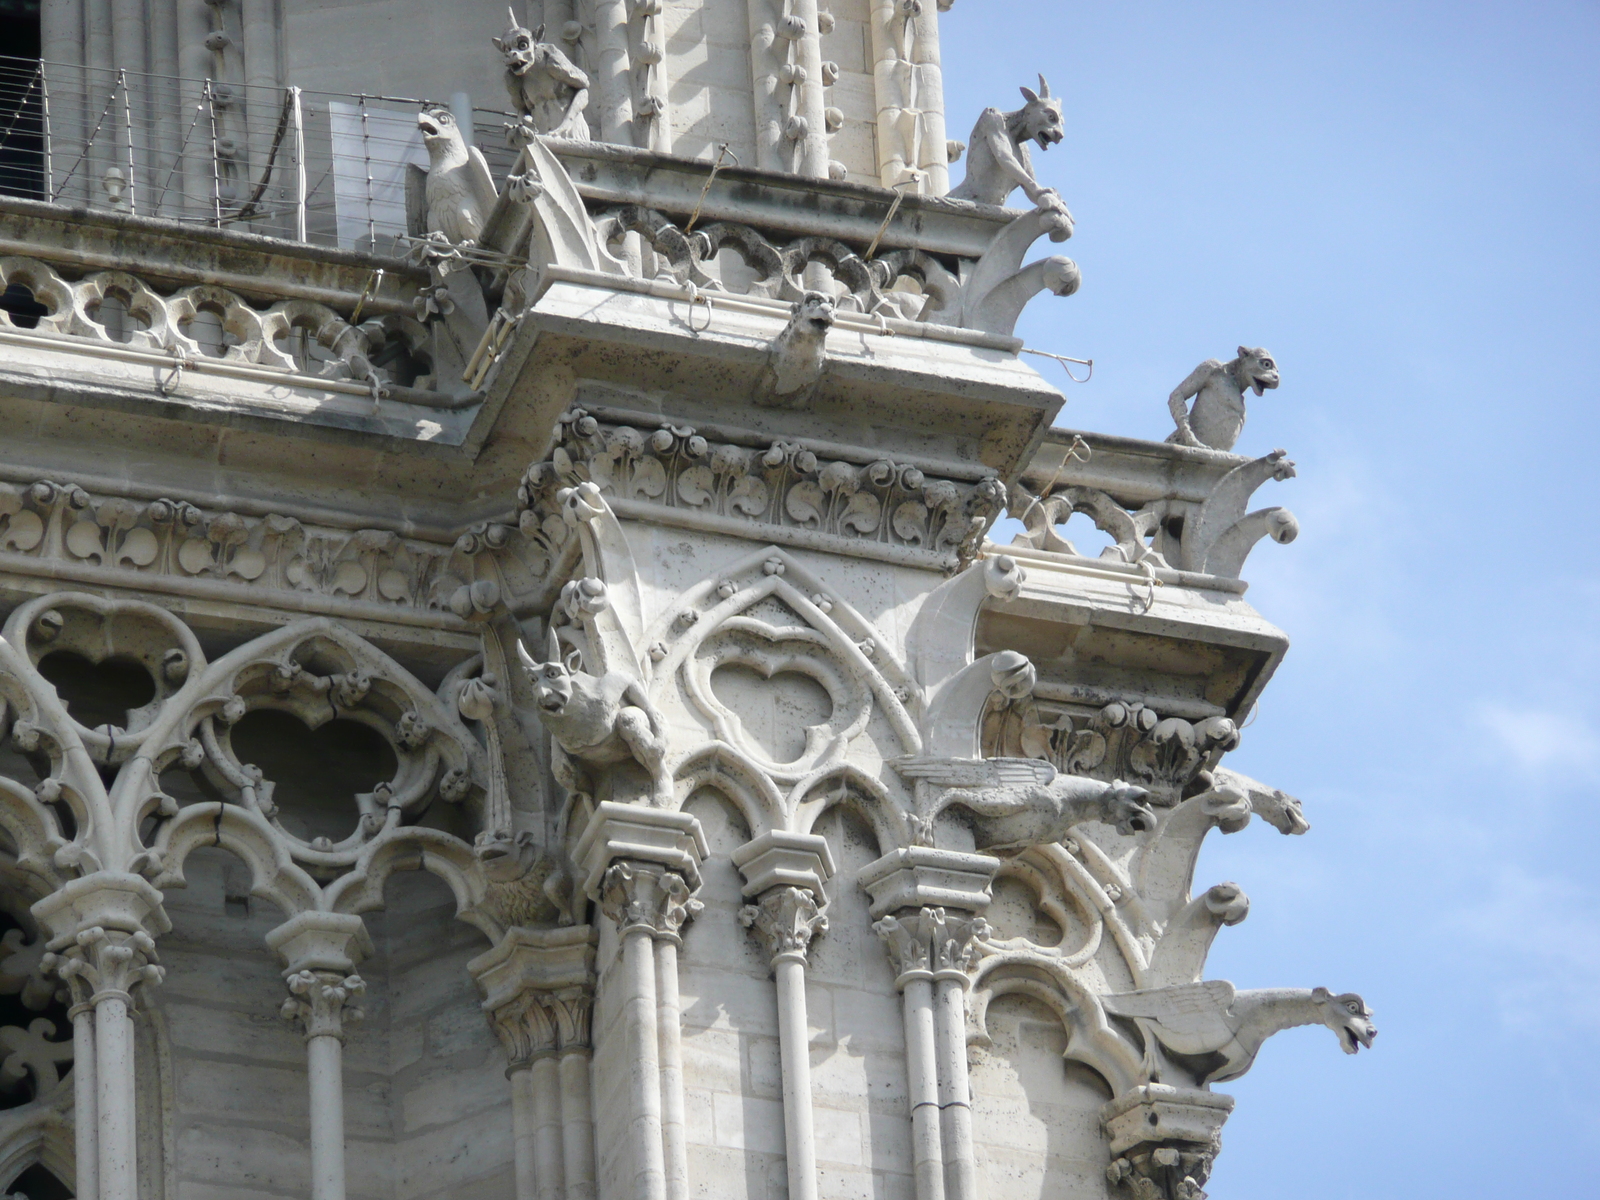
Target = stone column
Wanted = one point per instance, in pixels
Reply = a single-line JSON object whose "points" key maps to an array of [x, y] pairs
{"points": [[928, 903], [538, 989], [321, 951], [101, 942], [643, 866], [784, 874]]}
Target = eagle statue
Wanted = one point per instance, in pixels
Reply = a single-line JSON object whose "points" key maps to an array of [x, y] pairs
{"points": [[452, 199]]}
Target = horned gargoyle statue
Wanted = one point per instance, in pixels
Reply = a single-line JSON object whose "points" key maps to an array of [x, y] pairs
{"points": [[546, 87], [1224, 1029], [1218, 389], [1020, 802], [998, 160], [598, 723]]}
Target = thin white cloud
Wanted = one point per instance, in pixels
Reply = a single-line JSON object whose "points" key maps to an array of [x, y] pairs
{"points": [[1543, 739]]}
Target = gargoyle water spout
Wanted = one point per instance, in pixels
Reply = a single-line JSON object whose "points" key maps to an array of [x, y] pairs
{"points": [[1200, 1019], [1020, 802]]}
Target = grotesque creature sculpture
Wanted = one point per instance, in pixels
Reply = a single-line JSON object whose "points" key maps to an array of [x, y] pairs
{"points": [[546, 88], [1020, 802], [1211, 1019], [796, 357], [598, 722], [1218, 389], [999, 161], [452, 199]]}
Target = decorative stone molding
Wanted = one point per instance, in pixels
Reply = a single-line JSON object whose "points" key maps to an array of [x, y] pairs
{"points": [[1211, 536], [778, 484], [321, 1002], [646, 896], [650, 838], [923, 877], [932, 944], [114, 307], [538, 990], [785, 919], [1163, 1140], [1124, 740], [171, 545], [111, 963], [779, 859]]}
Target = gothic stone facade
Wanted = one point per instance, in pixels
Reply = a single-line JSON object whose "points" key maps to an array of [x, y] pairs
{"points": [[541, 715]]}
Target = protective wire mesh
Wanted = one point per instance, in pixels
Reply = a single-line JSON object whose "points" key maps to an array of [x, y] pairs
{"points": [[318, 167]]}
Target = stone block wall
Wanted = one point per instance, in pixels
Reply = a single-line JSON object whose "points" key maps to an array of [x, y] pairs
{"points": [[427, 1107]]}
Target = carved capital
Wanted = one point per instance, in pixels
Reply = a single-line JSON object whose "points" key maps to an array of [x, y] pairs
{"points": [[785, 919], [1164, 1140], [646, 896], [321, 1002], [932, 944], [538, 989], [103, 964]]}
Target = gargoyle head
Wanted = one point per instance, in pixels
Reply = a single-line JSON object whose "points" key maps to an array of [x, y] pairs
{"points": [[814, 313], [1348, 1016], [551, 680], [519, 46], [439, 132], [1040, 118], [1256, 370], [1127, 810]]}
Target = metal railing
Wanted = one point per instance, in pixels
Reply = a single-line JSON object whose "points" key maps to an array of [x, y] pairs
{"points": [[319, 167]]}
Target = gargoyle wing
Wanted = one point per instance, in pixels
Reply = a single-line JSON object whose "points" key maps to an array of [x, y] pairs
{"points": [[481, 181], [417, 201], [1191, 1018], [975, 772]]}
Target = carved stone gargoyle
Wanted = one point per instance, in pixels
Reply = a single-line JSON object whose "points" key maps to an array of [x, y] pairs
{"points": [[546, 87], [998, 161], [1225, 1029], [796, 357], [601, 726], [1015, 803]]}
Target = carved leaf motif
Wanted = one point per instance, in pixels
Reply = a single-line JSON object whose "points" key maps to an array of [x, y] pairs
{"points": [[696, 486], [911, 522], [649, 479], [748, 496], [863, 514], [1085, 750], [805, 503]]}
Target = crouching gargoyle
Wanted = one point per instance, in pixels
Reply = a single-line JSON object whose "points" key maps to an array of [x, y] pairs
{"points": [[1217, 1032], [1015, 803], [998, 161], [600, 724], [1218, 390], [545, 86]]}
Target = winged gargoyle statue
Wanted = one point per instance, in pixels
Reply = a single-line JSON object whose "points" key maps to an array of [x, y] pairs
{"points": [[1197, 1020], [453, 198], [1020, 802]]}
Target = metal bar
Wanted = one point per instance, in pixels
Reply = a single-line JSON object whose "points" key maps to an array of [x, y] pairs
{"points": [[127, 128], [44, 96], [88, 145], [216, 178], [299, 166], [366, 158]]}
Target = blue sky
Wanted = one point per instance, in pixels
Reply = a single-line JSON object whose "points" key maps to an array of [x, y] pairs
{"points": [[1400, 201]]}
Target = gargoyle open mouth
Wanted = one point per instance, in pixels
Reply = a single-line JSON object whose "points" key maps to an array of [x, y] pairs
{"points": [[429, 127], [1353, 1040], [1047, 138], [552, 703]]}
